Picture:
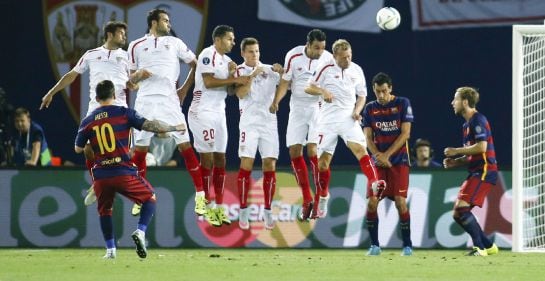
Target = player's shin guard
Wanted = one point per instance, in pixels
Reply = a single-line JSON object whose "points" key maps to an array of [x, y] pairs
{"points": [[243, 187], [139, 159], [301, 175], [218, 178], [269, 187], [323, 183], [206, 176], [146, 213], [368, 169], [468, 222], [405, 226], [107, 227], [372, 226], [193, 167]]}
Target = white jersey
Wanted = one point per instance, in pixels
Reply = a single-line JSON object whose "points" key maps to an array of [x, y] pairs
{"points": [[204, 99], [161, 56], [298, 69], [254, 107], [104, 64], [344, 85]]}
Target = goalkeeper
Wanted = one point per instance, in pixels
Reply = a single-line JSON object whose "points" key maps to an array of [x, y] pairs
{"points": [[478, 153]]}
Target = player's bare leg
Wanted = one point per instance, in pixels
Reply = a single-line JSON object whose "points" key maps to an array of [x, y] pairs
{"points": [[300, 171]]}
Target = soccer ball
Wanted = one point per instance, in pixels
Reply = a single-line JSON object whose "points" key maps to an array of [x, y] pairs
{"points": [[388, 18]]}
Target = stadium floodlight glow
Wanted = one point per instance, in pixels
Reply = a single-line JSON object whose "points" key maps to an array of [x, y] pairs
{"points": [[528, 180]]}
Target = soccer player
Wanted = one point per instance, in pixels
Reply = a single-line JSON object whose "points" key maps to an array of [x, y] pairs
{"points": [[387, 128], [107, 128], [258, 127], [214, 74], [478, 153], [300, 63], [107, 62], [155, 65], [339, 81]]}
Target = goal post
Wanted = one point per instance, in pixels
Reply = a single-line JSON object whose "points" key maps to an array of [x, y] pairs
{"points": [[528, 139]]}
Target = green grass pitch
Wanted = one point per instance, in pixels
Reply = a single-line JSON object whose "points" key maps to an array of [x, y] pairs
{"points": [[266, 264]]}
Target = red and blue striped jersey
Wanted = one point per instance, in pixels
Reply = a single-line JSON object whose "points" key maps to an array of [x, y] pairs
{"points": [[108, 129], [385, 121], [484, 165]]}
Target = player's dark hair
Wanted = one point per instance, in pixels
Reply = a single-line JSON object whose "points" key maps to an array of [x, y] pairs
{"points": [[470, 94], [381, 78], [112, 27], [105, 89], [22, 111], [247, 42], [153, 15], [221, 30], [315, 35]]}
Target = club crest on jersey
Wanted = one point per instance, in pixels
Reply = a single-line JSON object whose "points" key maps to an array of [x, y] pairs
{"points": [[394, 110], [299, 68], [167, 47], [99, 58], [145, 49], [206, 61]]}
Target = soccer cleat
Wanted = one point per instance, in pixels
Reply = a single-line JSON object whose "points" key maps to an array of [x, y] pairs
{"points": [[322, 207], [135, 211], [211, 217], [269, 220], [407, 251], [374, 250], [91, 197], [477, 252], [378, 188], [139, 238], [306, 210], [492, 250], [244, 219], [221, 216], [110, 254], [200, 205]]}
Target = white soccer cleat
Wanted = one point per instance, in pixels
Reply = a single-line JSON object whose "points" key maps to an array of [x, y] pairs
{"points": [[110, 254], [91, 197], [139, 238], [269, 220], [244, 219], [378, 188]]}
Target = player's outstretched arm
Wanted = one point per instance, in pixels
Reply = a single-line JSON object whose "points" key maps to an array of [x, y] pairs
{"points": [[157, 126], [66, 80]]}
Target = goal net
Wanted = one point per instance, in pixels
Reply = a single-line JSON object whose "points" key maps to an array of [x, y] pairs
{"points": [[528, 138]]}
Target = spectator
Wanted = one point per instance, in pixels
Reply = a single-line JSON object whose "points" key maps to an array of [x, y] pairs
{"points": [[423, 155], [30, 145], [6, 129]]}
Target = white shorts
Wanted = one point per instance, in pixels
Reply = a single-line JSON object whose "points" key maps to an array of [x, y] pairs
{"points": [[263, 137], [302, 125], [328, 134], [162, 108], [209, 131]]}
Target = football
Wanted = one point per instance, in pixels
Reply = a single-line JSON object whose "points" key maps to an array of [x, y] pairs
{"points": [[388, 18]]}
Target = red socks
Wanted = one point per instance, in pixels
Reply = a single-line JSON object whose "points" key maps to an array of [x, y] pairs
{"points": [[368, 169], [193, 167], [315, 170], [139, 159], [206, 175], [323, 183], [301, 175], [269, 187], [243, 187], [218, 177]]}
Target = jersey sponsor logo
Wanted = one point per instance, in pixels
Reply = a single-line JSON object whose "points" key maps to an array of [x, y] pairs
{"points": [[323, 10], [74, 27], [387, 126], [206, 60]]}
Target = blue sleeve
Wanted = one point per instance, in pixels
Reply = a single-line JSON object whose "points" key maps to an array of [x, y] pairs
{"points": [[135, 120], [480, 129], [81, 137], [407, 111], [366, 117]]}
